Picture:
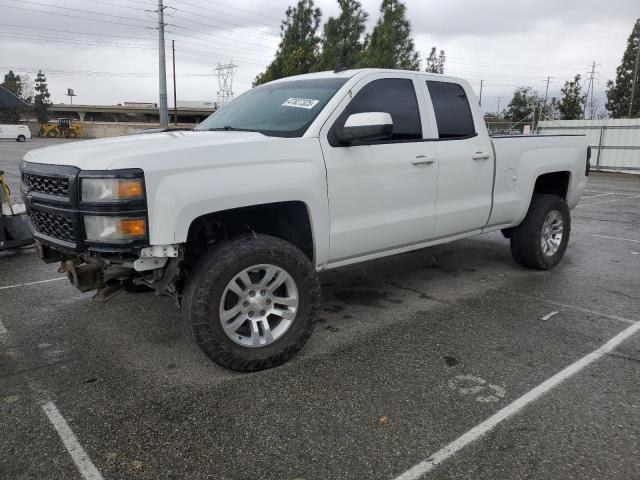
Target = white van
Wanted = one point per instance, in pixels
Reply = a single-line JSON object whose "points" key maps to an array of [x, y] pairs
{"points": [[19, 133]]}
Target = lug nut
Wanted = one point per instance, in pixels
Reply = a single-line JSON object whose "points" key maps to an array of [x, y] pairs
{"points": [[262, 312], [268, 302], [252, 293], [251, 314], [245, 304], [263, 292]]}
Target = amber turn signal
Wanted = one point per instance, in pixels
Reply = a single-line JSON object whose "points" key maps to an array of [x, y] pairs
{"points": [[129, 188], [134, 227]]}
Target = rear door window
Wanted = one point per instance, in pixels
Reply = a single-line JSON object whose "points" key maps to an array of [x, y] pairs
{"points": [[453, 113]]}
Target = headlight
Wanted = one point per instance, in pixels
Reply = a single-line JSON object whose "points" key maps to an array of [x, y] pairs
{"points": [[111, 189], [112, 228]]}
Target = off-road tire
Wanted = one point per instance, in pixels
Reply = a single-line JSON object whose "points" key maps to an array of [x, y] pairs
{"points": [[526, 246], [204, 290]]}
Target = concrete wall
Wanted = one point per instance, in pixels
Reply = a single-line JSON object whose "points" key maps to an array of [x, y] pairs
{"points": [[108, 129], [615, 143]]}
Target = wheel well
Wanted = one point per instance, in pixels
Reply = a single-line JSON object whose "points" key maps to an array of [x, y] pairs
{"points": [[289, 221], [555, 183]]}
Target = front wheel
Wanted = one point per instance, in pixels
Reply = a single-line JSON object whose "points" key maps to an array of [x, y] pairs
{"points": [[540, 241], [21, 138], [252, 302]]}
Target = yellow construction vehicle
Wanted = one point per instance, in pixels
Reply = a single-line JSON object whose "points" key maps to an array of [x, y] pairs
{"points": [[65, 127]]}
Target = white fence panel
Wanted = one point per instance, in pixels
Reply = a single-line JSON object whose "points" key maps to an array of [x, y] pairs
{"points": [[615, 143]]}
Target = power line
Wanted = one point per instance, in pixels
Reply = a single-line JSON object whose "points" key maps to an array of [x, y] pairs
{"points": [[124, 45], [252, 12], [78, 10], [189, 29], [76, 42], [111, 4], [260, 37], [73, 31], [95, 73], [218, 12], [66, 15]]}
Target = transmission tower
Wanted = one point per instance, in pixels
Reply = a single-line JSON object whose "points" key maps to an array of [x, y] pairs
{"points": [[588, 98], [225, 74]]}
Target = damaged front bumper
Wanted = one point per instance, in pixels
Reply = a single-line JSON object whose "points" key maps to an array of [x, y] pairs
{"points": [[110, 275]]}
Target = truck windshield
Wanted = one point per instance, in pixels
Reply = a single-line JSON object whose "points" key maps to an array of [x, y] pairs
{"points": [[282, 109]]}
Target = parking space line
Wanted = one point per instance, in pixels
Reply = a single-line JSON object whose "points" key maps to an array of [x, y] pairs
{"points": [[554, 303], [609, 201], [579, 309], [424, 467], [616, 238], [549, 315], [32, 283], [85, 466], [598, 195]]}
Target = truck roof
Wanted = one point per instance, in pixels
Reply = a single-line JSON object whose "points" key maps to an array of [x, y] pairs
{"points": [[355, 71]]}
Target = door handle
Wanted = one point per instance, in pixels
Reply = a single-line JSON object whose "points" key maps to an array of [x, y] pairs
{"points": [[423, 160], [480, 156]]}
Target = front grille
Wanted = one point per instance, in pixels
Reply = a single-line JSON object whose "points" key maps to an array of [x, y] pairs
{"points": [[58, 186], [52, 225]]}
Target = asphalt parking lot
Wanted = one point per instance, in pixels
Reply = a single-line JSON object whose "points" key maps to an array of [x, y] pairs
{"points": [[412, 355]]}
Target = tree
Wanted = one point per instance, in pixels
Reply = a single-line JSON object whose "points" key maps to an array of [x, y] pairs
{"points": [[390, 44], [13, 83], [571, 101], [619, 90], [342, 41], [298, 49], [28, 91], [41, 102], [524, 103], [435, 61]]}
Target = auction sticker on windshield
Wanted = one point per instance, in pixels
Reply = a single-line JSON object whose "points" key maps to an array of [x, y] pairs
{"points": [[307, 103]]}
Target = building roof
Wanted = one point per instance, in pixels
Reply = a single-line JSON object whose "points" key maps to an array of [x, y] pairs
{"points": [[9, 100]]}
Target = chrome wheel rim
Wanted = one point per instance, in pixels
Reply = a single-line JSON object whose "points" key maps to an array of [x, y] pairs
{"points": [[552, 231], [258, 305]]}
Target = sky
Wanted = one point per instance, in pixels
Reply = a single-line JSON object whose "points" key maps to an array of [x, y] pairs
{"points": [[106, 50]]}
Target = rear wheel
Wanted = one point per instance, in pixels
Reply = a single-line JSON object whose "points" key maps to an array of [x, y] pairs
{"points": [[540, 241], [252, 303]]}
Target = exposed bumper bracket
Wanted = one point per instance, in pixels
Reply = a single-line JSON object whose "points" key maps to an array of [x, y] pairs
{"points": [[160, 251]]}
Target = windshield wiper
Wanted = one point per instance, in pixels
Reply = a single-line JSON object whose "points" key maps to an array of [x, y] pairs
{"points": [[228, 128]]}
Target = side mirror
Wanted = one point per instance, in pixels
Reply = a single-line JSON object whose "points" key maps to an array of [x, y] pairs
{"points": [[365, 127]]}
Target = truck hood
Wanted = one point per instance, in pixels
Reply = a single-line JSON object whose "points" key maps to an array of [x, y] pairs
{"points": [[126, 152]]}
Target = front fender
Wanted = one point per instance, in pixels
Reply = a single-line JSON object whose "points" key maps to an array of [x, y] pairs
{"points": [[287, 170]]}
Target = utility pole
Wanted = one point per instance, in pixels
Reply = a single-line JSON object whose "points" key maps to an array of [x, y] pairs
{"points": [[481, 83], [498, 109], [162, 68], [175, 102], [634, 85]]}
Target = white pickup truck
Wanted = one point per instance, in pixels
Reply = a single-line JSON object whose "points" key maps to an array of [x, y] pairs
{"points": [[300, 175]]}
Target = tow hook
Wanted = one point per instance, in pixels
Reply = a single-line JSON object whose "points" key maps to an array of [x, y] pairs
{"points": [[85, 277]]}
